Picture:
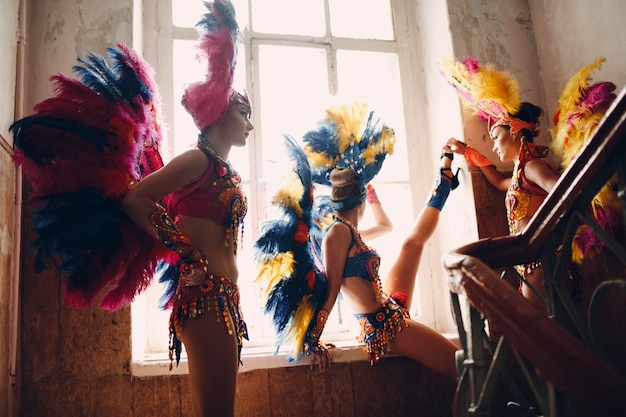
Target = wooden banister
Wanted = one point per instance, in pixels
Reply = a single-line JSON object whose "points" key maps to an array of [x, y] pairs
{"points": [[558, 356], [586, 380]]}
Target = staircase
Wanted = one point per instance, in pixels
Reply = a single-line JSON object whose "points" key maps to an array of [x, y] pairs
{"points": [[516, 361]]}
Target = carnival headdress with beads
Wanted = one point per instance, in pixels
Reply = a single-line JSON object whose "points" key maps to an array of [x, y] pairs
{"points": [[208, 100], [492, 92], [581, 108], [348, 137]]}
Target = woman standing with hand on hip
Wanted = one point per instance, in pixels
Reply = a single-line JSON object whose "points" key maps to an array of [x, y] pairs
{"points": [[202, 220]]}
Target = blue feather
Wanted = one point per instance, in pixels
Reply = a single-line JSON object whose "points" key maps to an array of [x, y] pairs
{"points": [[277, 237], [70, 227], [168, 275], [131, 85], [96, 74]]}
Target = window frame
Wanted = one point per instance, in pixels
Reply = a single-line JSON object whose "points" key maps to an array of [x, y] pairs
{"points": [[156, 24]]}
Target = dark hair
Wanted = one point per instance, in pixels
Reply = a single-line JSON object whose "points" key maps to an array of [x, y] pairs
{"points": [[528, 112]]}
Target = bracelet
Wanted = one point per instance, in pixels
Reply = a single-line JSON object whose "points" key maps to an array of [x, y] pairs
{"points": [[173, 238], [372, 197]]}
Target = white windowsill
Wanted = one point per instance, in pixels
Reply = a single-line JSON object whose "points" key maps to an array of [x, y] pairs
{"points": [[252, 358]]}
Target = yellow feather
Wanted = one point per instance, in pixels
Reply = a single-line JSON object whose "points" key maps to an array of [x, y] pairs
{"points": [[457, 74], [273, 270], [289, 194], [384, 144], [577, 254], [490, 89], [568, 137], [300, 324], [497, 88], [350, 119], [318, 160]]}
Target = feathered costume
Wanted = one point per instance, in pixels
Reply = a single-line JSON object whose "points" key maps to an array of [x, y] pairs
{"points": [[581, 107], [81, 152], [289, 249], [84, 149]]}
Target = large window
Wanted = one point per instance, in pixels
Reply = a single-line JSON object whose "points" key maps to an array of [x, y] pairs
{"points": [[297, 58]]}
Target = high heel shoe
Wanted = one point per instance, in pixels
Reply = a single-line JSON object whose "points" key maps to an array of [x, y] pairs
{"points": [[454, 180]]}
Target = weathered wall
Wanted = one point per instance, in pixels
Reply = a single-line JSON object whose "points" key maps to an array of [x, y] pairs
{"points": [[571, 34], [8, 56]]}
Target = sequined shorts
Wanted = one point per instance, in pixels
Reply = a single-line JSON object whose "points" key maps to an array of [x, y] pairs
{"points": [[216, 293], [379, 328]]}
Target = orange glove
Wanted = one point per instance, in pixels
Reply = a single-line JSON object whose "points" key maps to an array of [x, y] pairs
{"points": [[473, 157]]}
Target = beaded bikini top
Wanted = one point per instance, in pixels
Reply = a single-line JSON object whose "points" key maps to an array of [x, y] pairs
{"points": [[216, 196], [524, 197]]}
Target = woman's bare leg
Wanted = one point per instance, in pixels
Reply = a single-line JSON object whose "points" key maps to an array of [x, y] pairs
{"points": [[213, 364], [426, 346], [402, 274]]}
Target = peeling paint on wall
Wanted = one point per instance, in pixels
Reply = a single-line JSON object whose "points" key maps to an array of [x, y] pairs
{"points": [[106, 30], [54, 27], [478, 30]]}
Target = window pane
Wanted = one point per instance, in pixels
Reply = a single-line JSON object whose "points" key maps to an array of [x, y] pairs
{"points": [[295, 17], [187, 13], [293, 92], [373, 17], [186, 70]]}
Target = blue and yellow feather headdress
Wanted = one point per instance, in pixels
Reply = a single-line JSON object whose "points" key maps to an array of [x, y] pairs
{"points": [[348, 137]]}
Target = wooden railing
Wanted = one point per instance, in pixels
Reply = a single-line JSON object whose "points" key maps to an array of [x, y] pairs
{"points": [[563, 366]]}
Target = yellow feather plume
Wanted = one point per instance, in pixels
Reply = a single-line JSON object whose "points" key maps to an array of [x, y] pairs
{"points": [[385, 144], [569, 136], [318, 160], [290, 194], [299, 325], [350, 118], [272, 271], [496, 91], [484, 87]]}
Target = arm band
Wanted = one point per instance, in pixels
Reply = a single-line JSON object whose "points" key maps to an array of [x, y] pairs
{"points": [[172, 237]]}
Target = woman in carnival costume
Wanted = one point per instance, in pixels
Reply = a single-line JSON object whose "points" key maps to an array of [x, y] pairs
{"points": [[202, 220], [341, 154], [513, 125], [109, 216]]}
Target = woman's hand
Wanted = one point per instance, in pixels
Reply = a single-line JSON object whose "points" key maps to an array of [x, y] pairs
{"points": [[321, 356], [456, 146]]}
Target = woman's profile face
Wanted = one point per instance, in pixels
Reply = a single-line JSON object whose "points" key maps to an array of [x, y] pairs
{"points": [[236, 125], [504, 143]]}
